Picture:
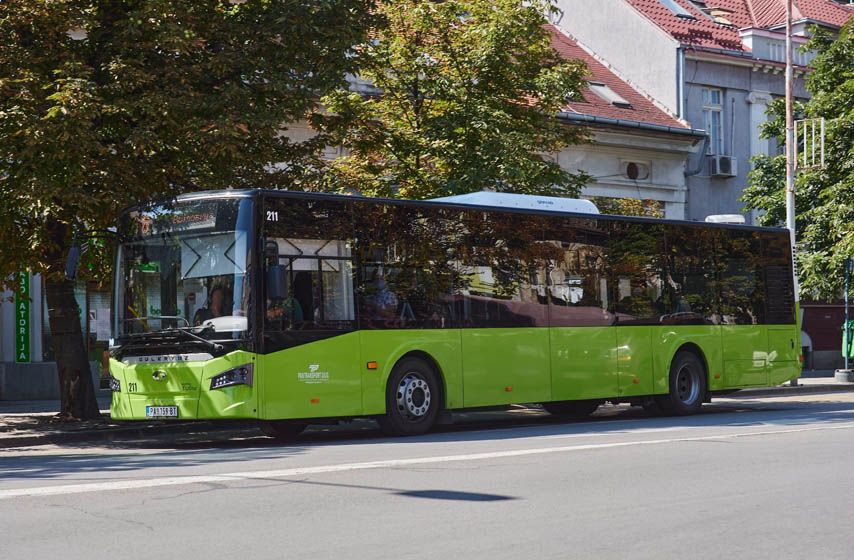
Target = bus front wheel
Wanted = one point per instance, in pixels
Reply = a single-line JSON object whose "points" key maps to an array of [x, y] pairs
{"points": [[687, 385], [412, 399]]}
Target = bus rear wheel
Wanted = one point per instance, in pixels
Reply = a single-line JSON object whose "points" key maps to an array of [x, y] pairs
{"points": [[282, 430], [572, 410], [687, 386], [412, 399]]}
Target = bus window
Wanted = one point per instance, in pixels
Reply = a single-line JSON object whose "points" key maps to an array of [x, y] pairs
{"points": [[690, 285], [405, 276], [741, 279], [637, 265], [578, 283], [502, 276], [311, 243], [317, 286]]}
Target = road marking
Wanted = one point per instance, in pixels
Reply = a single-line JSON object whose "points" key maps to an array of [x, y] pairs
{"points": [[59, 490]]}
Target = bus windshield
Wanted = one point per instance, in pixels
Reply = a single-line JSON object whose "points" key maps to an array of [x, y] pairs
{"points": [[185, 266]]}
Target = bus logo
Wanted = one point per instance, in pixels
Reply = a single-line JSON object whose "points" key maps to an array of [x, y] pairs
{"points": [[312, 375]]}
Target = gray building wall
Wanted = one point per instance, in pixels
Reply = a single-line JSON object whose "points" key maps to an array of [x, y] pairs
{"points": [[654, 63], [745, 94], [638, 51]]}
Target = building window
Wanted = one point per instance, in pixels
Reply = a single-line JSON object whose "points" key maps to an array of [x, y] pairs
{"points": [[713, 119], [93, 307]]}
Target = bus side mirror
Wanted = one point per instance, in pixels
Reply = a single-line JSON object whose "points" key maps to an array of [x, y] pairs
{"points": [[276, 277], [271, 249], [71, 262]]}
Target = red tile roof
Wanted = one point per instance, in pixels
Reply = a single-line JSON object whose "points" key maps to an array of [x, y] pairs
{"points": [[704, 32], [641, 110]]}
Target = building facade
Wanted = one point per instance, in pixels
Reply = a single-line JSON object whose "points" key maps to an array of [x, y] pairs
{"points": [[714, 65]]}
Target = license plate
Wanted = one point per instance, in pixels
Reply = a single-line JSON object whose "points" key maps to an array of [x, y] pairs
{"points": [[161, 412]]}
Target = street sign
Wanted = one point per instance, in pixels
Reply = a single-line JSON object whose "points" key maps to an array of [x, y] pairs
{"points": [[22, 318]]}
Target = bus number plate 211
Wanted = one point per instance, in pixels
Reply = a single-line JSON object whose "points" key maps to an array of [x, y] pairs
{"points": [[161, 412]]}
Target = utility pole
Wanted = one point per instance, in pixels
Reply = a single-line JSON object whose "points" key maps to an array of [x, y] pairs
{"points": [[790, 154]]}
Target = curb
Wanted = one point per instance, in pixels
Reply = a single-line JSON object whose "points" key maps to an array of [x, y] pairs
{"points": [[124, 432], [238, 427], [789, 391]]}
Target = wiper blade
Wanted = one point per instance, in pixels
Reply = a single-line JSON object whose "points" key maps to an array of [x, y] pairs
{"points": [[156, 317], [186, 332]]}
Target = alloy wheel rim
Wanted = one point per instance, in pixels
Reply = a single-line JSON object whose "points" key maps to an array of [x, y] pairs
{"points": [[413, 397]]}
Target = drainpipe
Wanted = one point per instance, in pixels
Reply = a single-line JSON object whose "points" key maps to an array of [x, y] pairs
{"points": [[680, 80], [701, 159]]}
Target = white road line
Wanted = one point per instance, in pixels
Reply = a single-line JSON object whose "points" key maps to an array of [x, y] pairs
{"points": [[59, 490]]}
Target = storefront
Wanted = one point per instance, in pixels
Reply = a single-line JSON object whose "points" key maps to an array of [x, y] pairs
{"points": [[27, 363]]}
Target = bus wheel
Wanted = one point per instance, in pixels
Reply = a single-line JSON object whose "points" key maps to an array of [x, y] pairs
{"points": [[283, 430], [412, 399], [572, 409], [687, 385]]}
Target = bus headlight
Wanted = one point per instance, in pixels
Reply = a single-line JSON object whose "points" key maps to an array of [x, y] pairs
{"points": [[115, 385], [241, 375]]}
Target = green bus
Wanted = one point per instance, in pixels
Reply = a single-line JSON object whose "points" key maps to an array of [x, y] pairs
{"points": [[294, 308]]}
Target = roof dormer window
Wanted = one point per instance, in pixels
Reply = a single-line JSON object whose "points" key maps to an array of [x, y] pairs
{"points": [[677, 9], [609, 95]]}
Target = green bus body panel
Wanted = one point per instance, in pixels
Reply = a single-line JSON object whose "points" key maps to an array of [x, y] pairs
{"points": [[784, 350], [504, 366], [330, 378], [667, 340], [315, 380], [634, 361], [583, 362], [186, 385], [745, 350], [387, 347]]}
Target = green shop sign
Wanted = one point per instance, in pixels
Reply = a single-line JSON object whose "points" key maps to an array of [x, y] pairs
{"points": [[22, 318]]}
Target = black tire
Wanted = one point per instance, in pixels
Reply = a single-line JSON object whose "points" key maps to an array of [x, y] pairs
{"points": [[413, 399], [572, 410], [687, 386], [283, 430]]}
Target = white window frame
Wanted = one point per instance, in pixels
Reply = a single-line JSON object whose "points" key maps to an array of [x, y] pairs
{"points": [[710, 108]]}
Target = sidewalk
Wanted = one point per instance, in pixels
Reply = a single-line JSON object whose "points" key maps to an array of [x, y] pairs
{"points": [[28, 423]]}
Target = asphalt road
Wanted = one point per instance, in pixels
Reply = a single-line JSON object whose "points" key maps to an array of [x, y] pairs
{"points": [[771, 478]]}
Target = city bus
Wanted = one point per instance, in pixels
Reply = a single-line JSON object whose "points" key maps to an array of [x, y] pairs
{"points": [[296, 308]]}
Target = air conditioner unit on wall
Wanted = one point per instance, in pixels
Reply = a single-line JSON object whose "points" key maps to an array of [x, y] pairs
{"points": [[723, 166]]}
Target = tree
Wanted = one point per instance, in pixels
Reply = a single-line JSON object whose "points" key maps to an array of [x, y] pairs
{"points": [[646, 208], [466, 95], [824, 199], [104, 104]]}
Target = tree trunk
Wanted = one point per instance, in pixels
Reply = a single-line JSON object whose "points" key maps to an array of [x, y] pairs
{"points": [[76, 389]]}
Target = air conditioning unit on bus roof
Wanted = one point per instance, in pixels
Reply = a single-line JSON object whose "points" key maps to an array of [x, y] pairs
{"points": [[723, 166], [725, 219], [526, 201]]}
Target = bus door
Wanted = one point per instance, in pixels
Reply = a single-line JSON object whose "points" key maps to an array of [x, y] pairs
{"points": [[636, 264], [744, 338], [502, 309], [310, 345], [582, 337]]}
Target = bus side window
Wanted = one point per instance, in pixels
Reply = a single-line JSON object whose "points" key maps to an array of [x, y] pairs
{"points": [[691, 287], [741, 280], [637, 264]]}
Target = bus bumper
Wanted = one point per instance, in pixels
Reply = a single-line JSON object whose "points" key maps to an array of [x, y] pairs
{"points": [[222, 387]]}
